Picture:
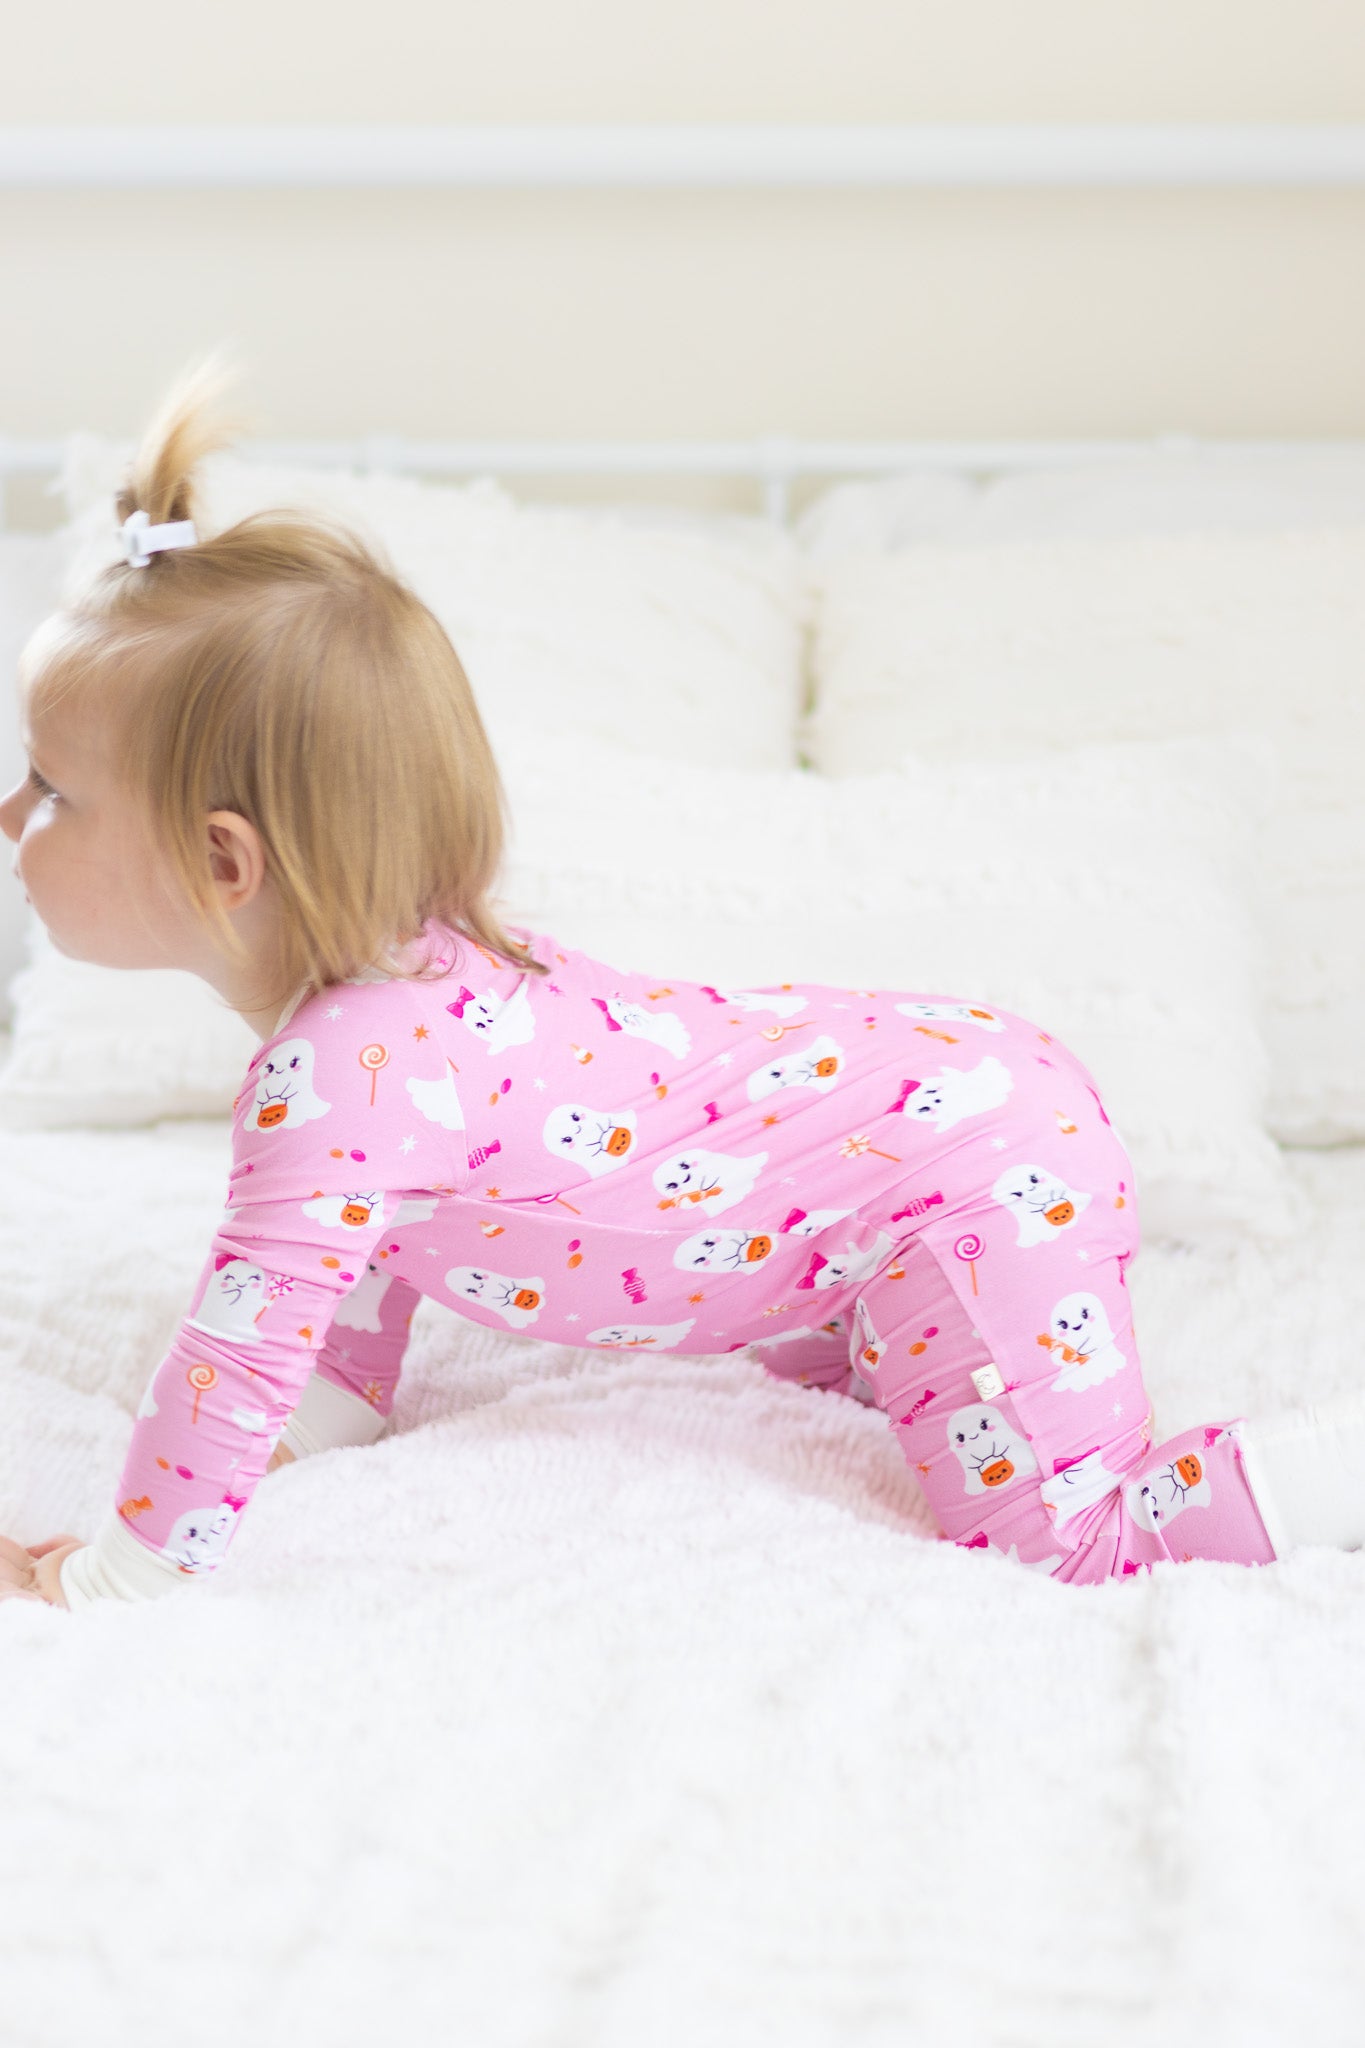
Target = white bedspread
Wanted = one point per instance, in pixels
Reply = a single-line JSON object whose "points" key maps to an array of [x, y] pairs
{"points": [[617, 1700]]}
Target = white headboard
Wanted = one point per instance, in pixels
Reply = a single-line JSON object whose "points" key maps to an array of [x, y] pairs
{"points": [[774, 464], [738, 155]]}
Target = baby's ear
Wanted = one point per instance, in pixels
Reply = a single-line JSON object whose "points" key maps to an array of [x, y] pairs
{"points": [[236, 857]]}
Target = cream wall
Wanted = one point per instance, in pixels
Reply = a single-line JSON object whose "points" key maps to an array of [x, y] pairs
{"points": [[707, 60], [619, 314]]}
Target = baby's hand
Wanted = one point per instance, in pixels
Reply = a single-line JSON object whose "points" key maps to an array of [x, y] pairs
{"points": [[35, 1574]]}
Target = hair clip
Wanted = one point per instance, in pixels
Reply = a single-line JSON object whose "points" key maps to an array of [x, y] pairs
{"points": [[141, 540]]}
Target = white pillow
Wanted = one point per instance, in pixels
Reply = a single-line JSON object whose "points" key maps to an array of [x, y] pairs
{"points": [[1000, 650], [1171, 489], [655, 631], [30, 577], [1097, 894], [108, 1045]]}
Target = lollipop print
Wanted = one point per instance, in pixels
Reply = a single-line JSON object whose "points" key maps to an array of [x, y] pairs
{"points": [[372, 1058], [854, 1148], [969, 1249], [201, 1378]]}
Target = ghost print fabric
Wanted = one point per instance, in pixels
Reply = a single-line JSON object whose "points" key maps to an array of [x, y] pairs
{"points": [[910, 1198]]}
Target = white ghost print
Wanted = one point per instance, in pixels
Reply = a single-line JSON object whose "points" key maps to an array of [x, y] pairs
{"points": [[707, 1181], [842, 1269], [817, 1066], [359, 1310], [496, 1022], [724, 1251], [661, 1027], [595, 1139], [641, 1336], [1082, 1343], [761, 999], [810, 1222], [284, 1089], [236, 1297], [346, 1212], [518, 1302], [1077, 1486], [952, 1013], [991, 1451], [1168, 1490], [438, 1102], [1040, 1201], [200, 1537], [953, 1094], [254, 1421], [870, 1349]]}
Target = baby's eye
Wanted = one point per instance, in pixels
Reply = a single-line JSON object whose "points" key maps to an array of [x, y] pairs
{"points": [[36, 781]]}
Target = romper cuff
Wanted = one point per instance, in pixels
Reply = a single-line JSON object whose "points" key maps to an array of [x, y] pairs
{"points": [[116, 1567], [327, 1417]]}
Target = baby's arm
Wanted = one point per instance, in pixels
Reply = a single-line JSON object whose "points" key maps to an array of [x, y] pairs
{"points": [[349, 1398], [306, 1229], [221, 1397]]}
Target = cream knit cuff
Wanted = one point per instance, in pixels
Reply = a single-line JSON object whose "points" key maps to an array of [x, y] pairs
{"points": [[117, 1567], [328, 1416]]}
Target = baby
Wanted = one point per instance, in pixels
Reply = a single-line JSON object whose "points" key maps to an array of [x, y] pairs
{"points": [[255, 756]]}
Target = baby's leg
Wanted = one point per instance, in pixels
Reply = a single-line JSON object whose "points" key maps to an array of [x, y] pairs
{"points": [[1023, 1412]]}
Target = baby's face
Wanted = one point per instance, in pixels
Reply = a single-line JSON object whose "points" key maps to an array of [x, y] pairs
{"points": [[82, 858]]}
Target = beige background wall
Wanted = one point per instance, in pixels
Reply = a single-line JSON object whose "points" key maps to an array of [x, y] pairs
{"points": [[620, 314]]}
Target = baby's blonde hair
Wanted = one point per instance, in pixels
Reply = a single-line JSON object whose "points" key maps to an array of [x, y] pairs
{"points": [[281, 670]]}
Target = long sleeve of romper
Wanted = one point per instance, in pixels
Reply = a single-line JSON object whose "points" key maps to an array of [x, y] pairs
{"points": [[312, 1203], [350, 1396]]}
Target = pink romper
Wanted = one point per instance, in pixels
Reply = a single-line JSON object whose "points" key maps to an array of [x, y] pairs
{"points": [[906, 1197]]}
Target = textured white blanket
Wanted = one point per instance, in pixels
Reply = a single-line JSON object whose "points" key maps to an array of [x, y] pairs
{"points": [[619, 1701]]}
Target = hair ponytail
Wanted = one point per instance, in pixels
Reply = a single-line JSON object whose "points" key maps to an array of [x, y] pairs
{"points": [[183, 430]]}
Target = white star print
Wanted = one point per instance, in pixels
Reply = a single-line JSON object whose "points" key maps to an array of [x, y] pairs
{"points": [[333, 1011], [1118, 1407], [571, 1319], [997, 1144], [407, 1144], [432, 1252], [537, 1083], [723, 1059], [838, 1006], [1083, 1256]]}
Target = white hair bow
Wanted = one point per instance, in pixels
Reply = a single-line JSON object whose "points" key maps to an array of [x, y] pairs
{"points": [[141, 540]]}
